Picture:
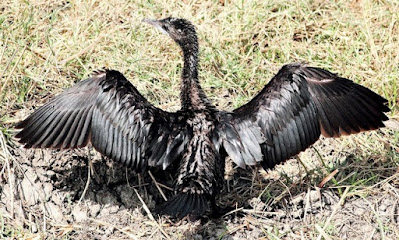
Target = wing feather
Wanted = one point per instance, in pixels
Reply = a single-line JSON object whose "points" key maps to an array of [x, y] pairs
{"points": [[291, 112], [108, 112]]}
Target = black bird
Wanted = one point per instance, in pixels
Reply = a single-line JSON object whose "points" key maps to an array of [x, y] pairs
{"points": [[285, 118]]}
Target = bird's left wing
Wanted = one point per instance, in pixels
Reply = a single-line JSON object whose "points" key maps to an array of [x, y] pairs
{"points": [[107, 111], [291, 112]]}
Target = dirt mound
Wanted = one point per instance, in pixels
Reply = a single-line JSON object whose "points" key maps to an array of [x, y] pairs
{"points": [[47, 194]]}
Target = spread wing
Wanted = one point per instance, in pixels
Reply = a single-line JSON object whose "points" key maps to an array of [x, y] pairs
{"points": [[291, 112], [107, 111]]}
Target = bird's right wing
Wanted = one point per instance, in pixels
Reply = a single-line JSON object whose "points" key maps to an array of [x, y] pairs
{"points": [[291, 112], [108, 111]]}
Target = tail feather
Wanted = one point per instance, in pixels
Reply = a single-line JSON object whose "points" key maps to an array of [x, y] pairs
{"points": [[183, 204]]}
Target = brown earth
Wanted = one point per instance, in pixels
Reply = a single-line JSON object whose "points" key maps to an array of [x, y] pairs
{"points": [[44, 194]]}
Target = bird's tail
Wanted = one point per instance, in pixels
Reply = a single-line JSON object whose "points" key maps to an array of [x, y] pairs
{"points": [[183, 204]]}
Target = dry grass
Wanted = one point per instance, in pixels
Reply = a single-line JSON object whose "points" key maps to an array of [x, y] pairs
{"points": [[48, 46]]}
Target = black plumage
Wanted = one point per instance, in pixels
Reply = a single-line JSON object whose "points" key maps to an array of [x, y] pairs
{"points": [[291, 112]]}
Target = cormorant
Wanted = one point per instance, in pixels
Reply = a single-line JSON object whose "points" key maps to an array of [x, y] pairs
{"points": [[298, 105]]}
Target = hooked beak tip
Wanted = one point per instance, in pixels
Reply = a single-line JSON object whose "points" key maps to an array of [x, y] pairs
{"points": [[149, 21], [155, 23]]}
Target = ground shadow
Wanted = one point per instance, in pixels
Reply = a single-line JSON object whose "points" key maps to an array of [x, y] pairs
{"points": [[280, 199]]}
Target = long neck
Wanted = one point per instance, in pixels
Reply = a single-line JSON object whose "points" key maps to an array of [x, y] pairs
{"points": [[192, 95]]}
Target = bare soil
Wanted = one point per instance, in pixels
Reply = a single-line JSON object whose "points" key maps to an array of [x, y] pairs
{"points": [[45, 195]]}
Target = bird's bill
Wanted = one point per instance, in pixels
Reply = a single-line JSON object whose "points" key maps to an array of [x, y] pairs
{"points": [[155, 23]]}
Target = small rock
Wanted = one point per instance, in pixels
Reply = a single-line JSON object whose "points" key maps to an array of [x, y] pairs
{"points": [[50, 173], [48, 189], [105, 197], [90, 195], [54, 211], [79, 214], [95, 210], [41, 174], [314, 195], [47, 158], [33, 228], [56, 198], [31, 175], [113, 209], [359, 211], [29, 191], [128, 198], [109, 209]]}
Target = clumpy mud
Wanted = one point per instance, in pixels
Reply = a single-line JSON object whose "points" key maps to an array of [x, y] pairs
{"points": [[46, 194]]}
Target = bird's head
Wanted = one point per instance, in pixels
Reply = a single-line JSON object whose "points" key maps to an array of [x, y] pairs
{"points": [[180, 30]]}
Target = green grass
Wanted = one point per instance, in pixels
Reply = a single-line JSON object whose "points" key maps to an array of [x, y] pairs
{"points": [[46, 47]]}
